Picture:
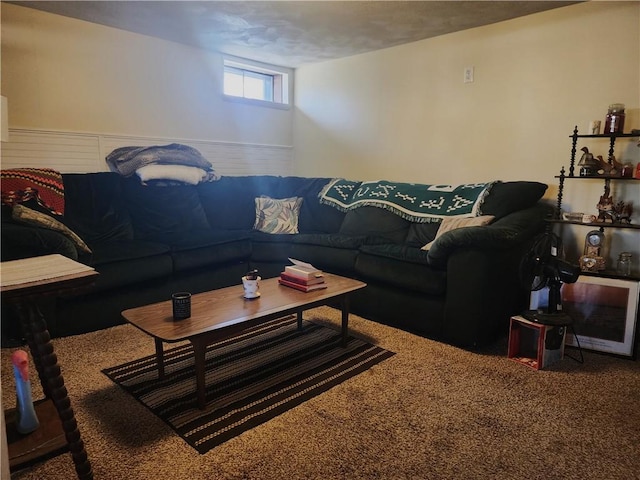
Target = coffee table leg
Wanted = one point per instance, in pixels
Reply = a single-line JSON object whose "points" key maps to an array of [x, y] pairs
{"points": [[299, 315], [159, 357], [199, 349], [345, 320]]}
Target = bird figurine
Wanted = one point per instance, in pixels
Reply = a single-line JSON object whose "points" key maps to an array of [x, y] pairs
{"points": [[588, 164], [27, 418], [617, 166], [605, 168]]}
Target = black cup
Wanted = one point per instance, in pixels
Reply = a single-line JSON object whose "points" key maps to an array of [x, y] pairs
{"points": [[181, 305]]}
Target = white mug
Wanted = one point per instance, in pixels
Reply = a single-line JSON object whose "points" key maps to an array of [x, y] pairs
{"points": [[251, 287]]}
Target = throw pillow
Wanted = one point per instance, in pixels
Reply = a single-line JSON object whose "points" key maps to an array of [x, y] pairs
{"points": [[508, 197], [277, 215], [25, 215], [454, 222]]}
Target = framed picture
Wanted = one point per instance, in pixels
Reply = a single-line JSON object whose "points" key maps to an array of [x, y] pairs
{"points": [[604, 312]]}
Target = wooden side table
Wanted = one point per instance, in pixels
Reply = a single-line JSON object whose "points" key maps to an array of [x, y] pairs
{"points": [[25, 283]]}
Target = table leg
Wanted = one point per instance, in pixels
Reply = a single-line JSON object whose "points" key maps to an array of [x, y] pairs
{"points": [[299, 316], [159, 357], [345, 320], [199, 350], [52, 381]]}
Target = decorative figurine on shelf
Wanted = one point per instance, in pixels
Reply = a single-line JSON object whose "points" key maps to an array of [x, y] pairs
{"points": [[610, 212], [606, 213], [609, 168], [27, 419], [588, 165], [623, 212]]}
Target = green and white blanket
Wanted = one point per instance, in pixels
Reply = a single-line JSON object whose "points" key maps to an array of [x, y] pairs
{"points": [[415, 202]]}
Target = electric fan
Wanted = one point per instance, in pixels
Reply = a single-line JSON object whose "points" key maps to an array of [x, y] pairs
{"points": [[541, 268]]}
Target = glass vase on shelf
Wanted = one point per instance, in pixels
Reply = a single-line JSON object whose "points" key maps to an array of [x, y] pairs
{"points": [[614, 122], [624, 264]]}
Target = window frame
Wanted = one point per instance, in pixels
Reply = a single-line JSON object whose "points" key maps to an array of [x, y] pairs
{"points": [[282, 82]]}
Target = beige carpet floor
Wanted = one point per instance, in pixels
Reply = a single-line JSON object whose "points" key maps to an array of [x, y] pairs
{"points": [[432, 411]]}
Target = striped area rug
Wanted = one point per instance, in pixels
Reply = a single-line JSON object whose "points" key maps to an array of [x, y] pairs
{"points": [[250, 378]]}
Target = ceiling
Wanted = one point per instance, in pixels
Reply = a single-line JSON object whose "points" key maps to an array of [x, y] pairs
{"points": [[293, 33]]}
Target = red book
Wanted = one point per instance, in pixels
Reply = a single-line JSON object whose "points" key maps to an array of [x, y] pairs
{"points": [[301, 281], [302, 288]]}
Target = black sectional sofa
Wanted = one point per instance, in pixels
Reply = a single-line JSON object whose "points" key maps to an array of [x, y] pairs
{"points": [[149, 241]]}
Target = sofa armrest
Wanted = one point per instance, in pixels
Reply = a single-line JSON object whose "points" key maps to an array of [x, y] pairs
{"points": [[506, 233], [483, 290], [23, 241]]}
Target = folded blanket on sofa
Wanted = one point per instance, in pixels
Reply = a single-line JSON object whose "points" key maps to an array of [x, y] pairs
{"points": [[126, 160], [415, 202], [45, 185], [173, 173]]}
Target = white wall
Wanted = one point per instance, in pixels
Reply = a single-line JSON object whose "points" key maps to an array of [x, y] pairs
{"points": [[405, 114], [65, 74]]}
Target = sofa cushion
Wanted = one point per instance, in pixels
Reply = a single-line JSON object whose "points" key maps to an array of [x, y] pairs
{"points": [[115, 251], [400, 266], [95, 207], [271, 248], [22, 214], [204, 248], [375, 222], [421, 233], [128, 262], [508, 197], [160, 213], [277, 215], [453, 223], [333, 240], [334, 253]]}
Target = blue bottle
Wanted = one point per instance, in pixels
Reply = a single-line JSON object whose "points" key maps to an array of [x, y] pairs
{"points": [[27, 419]]}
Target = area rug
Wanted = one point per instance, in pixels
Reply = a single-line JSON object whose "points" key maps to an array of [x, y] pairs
{"points": [[250, 378]]}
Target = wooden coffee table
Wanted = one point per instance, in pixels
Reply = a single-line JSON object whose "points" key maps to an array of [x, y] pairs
{"points": [[224, 313]]}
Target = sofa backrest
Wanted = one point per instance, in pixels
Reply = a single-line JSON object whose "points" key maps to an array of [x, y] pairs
{"points": [[377, 223], [229, 203], [106, 206], [164, 212], [95, 206]]}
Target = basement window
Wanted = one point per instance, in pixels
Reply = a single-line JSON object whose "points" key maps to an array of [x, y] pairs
{"points": [[255, 83]]}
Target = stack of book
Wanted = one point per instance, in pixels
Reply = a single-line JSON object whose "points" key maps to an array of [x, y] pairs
{"points": [[303, 278]]}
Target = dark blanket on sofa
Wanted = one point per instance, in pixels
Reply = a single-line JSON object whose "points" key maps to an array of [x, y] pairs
{"points": [[412, 201]]}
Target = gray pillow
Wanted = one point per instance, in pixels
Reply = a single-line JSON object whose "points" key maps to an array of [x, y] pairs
{"points": [[25, 215]]}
